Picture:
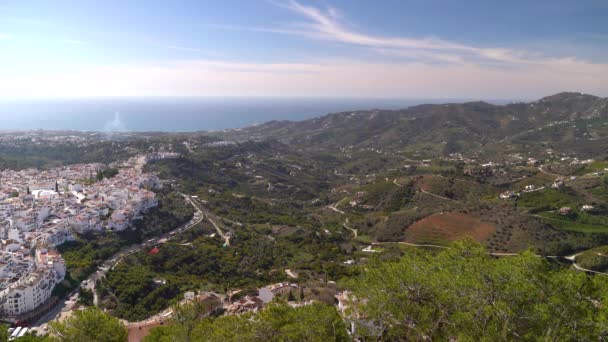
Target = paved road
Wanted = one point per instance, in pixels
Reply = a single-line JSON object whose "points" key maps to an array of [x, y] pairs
{"points": [[208, 216], [67, 304]]}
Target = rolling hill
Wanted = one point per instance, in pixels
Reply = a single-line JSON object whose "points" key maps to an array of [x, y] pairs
{"points": [[446, 128]]}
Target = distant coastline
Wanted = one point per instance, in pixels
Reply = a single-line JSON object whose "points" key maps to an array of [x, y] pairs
{"points": [[180, 114]]}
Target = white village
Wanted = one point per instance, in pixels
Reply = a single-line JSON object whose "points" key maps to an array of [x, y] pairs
{"points": [[41, 209]]}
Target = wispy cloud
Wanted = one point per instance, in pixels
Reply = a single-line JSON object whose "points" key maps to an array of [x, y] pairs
{"points": [[424, 67], [329, 24], [156, 42]]}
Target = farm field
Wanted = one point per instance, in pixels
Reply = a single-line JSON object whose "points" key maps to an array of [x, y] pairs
{"points": [[446, 227], [564, 223]]}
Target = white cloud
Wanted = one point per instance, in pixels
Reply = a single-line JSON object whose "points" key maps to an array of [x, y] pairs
{"points": [[330, 25], [429, 67]]}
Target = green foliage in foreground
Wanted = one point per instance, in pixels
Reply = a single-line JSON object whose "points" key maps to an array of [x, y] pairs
{"points": [[90, 324], [461, 293], [276, 322], [3, 333], [464, 294]]}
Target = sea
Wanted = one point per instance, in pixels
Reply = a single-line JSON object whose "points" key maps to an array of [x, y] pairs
{"points": [[178, 114]]}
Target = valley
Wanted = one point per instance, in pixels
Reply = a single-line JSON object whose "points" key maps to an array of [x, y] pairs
{"points": [[312, 203]]}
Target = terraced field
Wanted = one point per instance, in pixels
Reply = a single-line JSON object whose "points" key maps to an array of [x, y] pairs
{"points": [[445, 227], [579, 225]]}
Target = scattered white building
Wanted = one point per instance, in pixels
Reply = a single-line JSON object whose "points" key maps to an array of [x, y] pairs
{"points": [[41, 209]]}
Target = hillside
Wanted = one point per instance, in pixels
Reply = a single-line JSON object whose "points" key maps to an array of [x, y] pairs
{"points": [[311, 203], [441, 129]]}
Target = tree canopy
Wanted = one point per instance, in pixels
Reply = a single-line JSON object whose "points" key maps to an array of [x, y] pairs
{"points": [[276, 322], [465, 294], [91, 325]]}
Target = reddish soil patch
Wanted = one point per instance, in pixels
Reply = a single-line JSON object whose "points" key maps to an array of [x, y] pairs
{"points": [[443, 228], [137, 332]]}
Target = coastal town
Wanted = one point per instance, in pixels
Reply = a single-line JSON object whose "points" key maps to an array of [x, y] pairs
{"points": [[41, 209]]}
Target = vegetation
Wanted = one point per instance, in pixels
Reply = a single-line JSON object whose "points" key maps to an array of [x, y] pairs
{"points": [[85, 254], [135, 293], [146, 282], [464, 294], [88, 252], [276, 322], [47, 156], [3, 333], [4, 336], [595, 259], [549, 199], [461, 293], [318, 200], [95, 148], [90, 324], [85, 297], [172, 211]]}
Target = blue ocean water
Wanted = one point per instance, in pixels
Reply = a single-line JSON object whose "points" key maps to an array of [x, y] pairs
{"points": [[176, 114]]}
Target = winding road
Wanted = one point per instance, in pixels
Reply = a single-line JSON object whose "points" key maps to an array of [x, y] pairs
{"points": [[208, 216], [350, 228], [572, 258], [334, 207], [67, 304]]}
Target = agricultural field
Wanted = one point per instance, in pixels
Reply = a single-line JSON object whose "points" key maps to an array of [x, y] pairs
{"points": [[577, 221], [550, 199], [443, 228]]}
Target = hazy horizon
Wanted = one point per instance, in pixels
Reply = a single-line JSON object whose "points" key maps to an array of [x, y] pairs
{"points": [[182, 114]]}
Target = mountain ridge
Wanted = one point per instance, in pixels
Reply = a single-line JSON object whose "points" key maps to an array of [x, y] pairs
{"points": [[457, 126]]}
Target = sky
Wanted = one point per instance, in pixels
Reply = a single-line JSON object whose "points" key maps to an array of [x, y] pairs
{"points": [[303, 48]]}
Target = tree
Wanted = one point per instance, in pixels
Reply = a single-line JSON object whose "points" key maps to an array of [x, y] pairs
{"points": [[90, 324], [277, 322], [85, 297], [465, 294], [186, 316]]}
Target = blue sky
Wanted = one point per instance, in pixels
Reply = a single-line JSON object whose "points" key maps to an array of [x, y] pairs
{"points": [[329, 48]]}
